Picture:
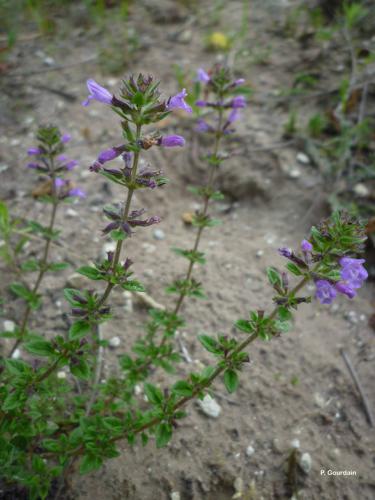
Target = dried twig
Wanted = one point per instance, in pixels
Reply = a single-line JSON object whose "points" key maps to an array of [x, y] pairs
{"points": [[357, 383]]}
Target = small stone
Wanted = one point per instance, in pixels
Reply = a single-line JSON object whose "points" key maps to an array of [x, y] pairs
{"points": [[238, 485], [175, 495], [3, 167], [49, 61], [361, 190], [209, 406], [352, 317], [158, 234], [114, 342], [76, 280], [138, 389], [305, 462], [187, 217], [295, 444], [259, 254], [294, 173], [9, 325], [61, 374], [303, 158], [71, 212], [16, 354], [250, 451]]}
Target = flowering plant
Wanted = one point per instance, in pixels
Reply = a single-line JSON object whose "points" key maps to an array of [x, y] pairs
{"points": [[46, 426]]}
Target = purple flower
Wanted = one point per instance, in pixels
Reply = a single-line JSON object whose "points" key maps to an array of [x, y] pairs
{"points": [[325, 292], [239, 81], [34, 151], [59, 182], [202, 126], [345, 289], [285, 252], [62, 158], [71, 164], [306, 246], [110, 154], [98, 93], [233, 116], [77, 192], [202, 76], [178, 102], [238, 102], [200, 103], [33, 165], [353, 272], [65, 138], [127, 157], [171, 141]]}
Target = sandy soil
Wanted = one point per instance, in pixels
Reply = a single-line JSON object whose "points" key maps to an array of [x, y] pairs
{"points": [[296, 388]]}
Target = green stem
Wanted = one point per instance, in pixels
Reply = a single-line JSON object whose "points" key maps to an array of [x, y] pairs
{"points": [[44, 260], [208, 187]]}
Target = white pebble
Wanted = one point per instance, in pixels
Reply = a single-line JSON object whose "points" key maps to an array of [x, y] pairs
{"points": [[61, 374], [9, 326], [305, 462], [159, 234], [148, 247], [115, 341], [259, 254], [303, 158], [295, 443], [16, 354], [71, 212], [209, 406], [175, 495], [250, 451], [361, 190]]}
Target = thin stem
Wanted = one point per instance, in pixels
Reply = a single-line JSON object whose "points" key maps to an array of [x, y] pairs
{"points": [[208, 186], [98, 354], [44, 260]]}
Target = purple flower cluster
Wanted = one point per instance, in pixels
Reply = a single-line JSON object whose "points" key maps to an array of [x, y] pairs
{"points": [[133, 220], [64, 189], [352, 273], [234, 104], [61, 164]]}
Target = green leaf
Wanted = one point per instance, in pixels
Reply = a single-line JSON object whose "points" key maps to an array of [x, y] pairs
{"points": [[79, 329], [118, 235], [22, 291], [284, 313], [163, 434], [4, 217], [244, 325], [39, 347], [80, 370], [210, 344], [30, 265], [154, 395], [90, 463], [294, 269], [70, 294], [182, 388], [133, 286], [58, 266], [230, 380], [16, 366], [12, 401], [90, 272], [274, 277]]}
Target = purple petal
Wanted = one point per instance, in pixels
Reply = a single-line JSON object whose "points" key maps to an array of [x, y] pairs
{"points": [[238, 102], [172, 141], [306, 246], [178, 102], [345, 289], [65, 138], [34, 151], [202, 76], [77, 192], [98, 93], [325, 292]]}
